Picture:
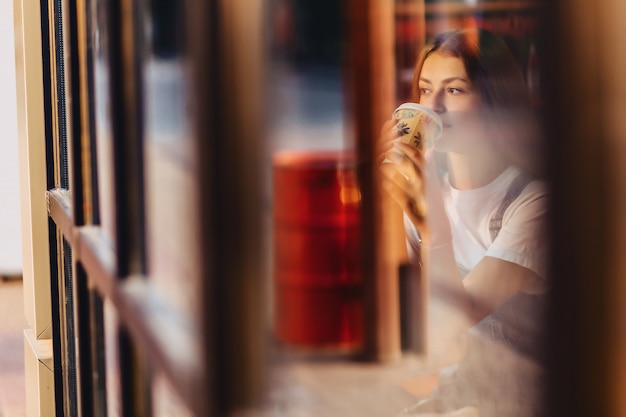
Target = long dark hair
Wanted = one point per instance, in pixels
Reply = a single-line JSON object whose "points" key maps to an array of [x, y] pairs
{"points": [[500, 83]]}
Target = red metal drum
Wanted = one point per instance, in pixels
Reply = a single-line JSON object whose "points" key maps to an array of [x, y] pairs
{"points": [[318, 284]]}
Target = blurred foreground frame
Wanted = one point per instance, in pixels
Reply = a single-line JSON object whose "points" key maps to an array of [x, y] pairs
{"points": [[226, 42], [585, 95]]}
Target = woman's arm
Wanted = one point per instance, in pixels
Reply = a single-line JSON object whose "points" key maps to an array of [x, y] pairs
{"points": [[493, 282], [455, 305], [490, 284]]}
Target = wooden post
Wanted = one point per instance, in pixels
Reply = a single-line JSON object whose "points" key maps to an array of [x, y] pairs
{"points": [[372, 98]]}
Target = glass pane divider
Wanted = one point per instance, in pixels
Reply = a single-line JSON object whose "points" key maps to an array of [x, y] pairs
{"points": [[171, 342], [152, 324]]}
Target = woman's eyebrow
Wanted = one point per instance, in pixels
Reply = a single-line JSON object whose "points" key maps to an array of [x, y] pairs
{"points": [[447, 80]]}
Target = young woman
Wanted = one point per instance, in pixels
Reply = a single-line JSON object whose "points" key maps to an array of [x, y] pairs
{"points": [[474, 210]]}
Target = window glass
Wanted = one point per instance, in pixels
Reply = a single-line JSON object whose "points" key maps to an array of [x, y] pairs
{"points": [[500, 128], [306, 105], [481, 75], [313, 217], [102, 123], [169, 160]]}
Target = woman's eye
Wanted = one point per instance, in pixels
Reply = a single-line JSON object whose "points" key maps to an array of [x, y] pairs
{"points": [[453, 90], [424, 90]]}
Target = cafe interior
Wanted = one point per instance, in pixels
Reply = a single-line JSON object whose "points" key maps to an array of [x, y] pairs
{"points": [[206, 232]]}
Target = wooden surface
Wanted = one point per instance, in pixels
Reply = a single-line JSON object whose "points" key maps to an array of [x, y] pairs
{"points": [[490, 376], [334, 388]]}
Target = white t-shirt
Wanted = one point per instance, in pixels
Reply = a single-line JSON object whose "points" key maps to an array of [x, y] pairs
{"points": [[522, 238], [497, 385]]}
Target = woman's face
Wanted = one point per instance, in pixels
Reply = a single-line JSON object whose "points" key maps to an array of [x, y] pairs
{"points": [[445, 88]]}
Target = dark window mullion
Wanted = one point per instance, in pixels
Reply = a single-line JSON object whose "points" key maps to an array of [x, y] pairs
{"points": [[56, 302], [47, 91], [83, 326], [75, 151], [98, 353], [134, 378], [90, 347], [127, 131], [68, 333], [95, 204], [61, 95], [126, 115]]}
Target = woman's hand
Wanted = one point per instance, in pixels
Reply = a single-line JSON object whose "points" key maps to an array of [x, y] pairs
{"points": [[403, 178], [409, 176]]}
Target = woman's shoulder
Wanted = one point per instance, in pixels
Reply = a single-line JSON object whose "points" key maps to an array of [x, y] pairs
{"points": [[532, 184], [537, 186], [527, 192], [534, 197]]}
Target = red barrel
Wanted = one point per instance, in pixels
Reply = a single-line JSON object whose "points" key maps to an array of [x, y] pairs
{"points": [[318, 284]]}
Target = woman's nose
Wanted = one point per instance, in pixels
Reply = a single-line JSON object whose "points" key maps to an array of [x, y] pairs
{"points": [[434, 101]]}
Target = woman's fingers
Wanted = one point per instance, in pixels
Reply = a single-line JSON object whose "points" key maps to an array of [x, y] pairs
{"points": [[408, 162], [414, 154], [404, 184], [404, 181], [389, 128], [388, 134]]}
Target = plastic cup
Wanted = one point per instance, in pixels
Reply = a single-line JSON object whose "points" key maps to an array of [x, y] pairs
{"points": [[418, 125]]}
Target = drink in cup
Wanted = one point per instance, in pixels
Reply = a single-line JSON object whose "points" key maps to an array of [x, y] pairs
{"points": [[418, 125]]}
